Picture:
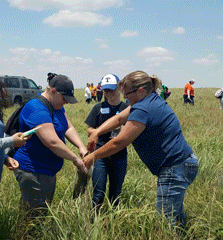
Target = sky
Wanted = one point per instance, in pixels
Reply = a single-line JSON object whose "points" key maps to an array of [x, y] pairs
{"points": [[176, 40]]}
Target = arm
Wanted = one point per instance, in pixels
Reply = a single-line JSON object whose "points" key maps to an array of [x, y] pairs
{"points": [[14, 140], [188, 94], [90, 130], [49, 138], [129, 133], [108, 126], [73, 137]]}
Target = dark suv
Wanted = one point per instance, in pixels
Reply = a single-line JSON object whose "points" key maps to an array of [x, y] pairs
{"points": [[20, 89]]}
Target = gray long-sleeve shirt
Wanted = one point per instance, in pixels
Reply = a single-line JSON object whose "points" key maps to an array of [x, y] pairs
{"points": [[4, 143]]}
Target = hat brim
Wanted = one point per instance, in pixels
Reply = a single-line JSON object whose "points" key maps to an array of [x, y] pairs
{"points": [[109, 86], [70, 99]]}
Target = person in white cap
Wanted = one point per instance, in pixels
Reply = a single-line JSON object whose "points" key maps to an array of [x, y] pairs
{"points": [[189, 92], [115, 165], [43, 155]]}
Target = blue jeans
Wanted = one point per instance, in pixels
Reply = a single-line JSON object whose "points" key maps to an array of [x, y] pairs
{"points": [[172, 184], [116, 170]]}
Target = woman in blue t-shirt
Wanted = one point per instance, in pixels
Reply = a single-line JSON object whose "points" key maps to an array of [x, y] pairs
{"points": [[155, 132], [42, 157]]}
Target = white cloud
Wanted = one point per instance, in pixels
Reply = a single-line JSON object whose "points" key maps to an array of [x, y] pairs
{"points": [[209, 60], [102, 43], [153, 51], [20, 51], [130, 9], [155, 55], [74, 5], [118, 64], [179, 30], [220, 37], [129, 33], [45, 55], [156, 61], [66, 18], [36, 63]]}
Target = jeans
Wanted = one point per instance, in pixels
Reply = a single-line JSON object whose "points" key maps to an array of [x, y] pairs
{"points": [[116, 169], [99, 97], [172, 184]]}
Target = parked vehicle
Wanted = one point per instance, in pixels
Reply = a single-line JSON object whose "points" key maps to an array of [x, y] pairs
{"points": [[20, 89]]}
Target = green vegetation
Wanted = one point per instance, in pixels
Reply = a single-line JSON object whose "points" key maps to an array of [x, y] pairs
{"points": [[136, 216]]}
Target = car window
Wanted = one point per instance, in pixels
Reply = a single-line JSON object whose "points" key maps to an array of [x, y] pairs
{"points": [[32, 84], [25, 83], [12, 82]]}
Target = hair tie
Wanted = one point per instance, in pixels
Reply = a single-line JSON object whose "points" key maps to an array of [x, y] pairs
{"points": [[50, 76]]}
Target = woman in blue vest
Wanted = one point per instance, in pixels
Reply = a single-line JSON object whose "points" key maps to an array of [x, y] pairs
{"points": [[155, 132]]}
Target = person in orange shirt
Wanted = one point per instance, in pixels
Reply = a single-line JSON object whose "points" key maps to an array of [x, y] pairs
{"points": [[189, 92], [93, 91]]}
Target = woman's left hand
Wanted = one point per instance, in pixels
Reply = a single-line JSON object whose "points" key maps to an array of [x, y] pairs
{"points": [[11, 163]]}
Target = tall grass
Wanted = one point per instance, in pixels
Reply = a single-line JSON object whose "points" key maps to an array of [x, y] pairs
{"points": [[135, 217]]}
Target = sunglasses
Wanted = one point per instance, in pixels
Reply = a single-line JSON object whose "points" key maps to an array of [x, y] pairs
{"points": [[126, 94]]}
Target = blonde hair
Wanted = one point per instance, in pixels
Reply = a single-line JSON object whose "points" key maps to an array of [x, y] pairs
{"points": [[138, 79]]}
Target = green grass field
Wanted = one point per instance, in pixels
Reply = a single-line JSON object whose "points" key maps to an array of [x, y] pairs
{"points": [[136, 217]]}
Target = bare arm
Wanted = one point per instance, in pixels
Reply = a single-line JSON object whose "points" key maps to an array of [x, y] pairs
{"points": [[49, 138], [188, 93], [73, 137], [112, 123], [90, 130], [128, 134]]}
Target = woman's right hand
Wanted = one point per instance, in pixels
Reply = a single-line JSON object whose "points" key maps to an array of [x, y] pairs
{"points": [[18, 141], [92, 140], [80, 166]]}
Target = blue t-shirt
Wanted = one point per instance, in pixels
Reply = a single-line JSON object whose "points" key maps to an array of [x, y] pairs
{"points": [[162, 143], [34, 156]]}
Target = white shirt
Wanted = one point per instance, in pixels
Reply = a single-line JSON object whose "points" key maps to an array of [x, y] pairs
{"points": [[87, 94]]}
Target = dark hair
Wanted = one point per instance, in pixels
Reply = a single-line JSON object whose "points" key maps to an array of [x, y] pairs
{"points": [[3, 99], [50, 76]]}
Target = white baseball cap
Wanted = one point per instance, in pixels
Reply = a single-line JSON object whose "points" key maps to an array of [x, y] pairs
{"points": [[109, 81]]}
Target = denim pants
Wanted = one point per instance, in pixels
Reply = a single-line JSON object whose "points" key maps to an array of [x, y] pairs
{"points": [[172, 184], [116, 170]]}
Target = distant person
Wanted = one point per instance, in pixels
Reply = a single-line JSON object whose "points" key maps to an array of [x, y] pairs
{"points": [[87, 94], [93, 91], [99, 92], [113, 166], [15, 140], [189, 92], [155, 132], [165, 92], [43, 155], [219, 95]]}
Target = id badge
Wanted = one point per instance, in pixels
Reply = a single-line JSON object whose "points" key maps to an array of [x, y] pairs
{"points": [[105, 110]]}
